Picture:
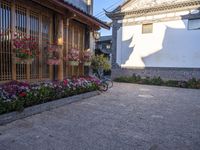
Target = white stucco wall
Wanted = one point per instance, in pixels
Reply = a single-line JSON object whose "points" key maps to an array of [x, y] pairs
{"points": [[170, 45]]}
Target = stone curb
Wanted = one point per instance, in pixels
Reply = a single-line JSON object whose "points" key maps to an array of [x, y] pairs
{"points": [[10, 117]]}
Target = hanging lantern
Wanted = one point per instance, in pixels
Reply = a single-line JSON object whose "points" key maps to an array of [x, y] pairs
{"points": [[96, 35]]}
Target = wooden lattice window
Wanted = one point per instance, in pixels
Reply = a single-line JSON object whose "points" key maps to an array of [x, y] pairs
{"points": [[5, 42], [70, 35], [45, 41], [76, 39], [17, 19], [21, 27], [34, 33]]}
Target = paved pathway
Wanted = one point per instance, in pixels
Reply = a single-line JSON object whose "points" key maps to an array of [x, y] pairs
{"points": [[128, 117]]}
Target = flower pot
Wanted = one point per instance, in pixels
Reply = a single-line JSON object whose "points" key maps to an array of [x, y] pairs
{"points": [[53, 62], [87, 63], [23, 61], [73, 63]]}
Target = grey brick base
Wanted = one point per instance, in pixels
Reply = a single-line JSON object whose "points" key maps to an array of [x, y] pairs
{"points": [[7, 118], [164, 73]]}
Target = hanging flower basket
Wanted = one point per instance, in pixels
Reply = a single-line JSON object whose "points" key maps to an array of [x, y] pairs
{"points": [[53, 61], [87, 64], [53, 54], [73, 56], [73, 63], [26, 48], [87, 57], [23, 61]]}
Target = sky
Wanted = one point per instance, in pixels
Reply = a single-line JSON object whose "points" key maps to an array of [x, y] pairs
{"points": [[108, 5]]}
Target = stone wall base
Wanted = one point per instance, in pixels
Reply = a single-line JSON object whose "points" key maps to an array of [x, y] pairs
{"points": [[9, 117], [164, 73]]}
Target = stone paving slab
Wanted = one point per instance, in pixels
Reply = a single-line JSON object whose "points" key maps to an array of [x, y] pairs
{"points": [[128, 117]]}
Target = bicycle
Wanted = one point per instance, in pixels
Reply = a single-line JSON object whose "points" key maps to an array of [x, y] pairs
{"points": [[100, 75], [103, 86]]}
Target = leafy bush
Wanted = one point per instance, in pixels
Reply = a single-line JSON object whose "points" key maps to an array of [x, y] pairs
{"points": [[15, 96], [193, 83], [100, 62], [157, 81]]}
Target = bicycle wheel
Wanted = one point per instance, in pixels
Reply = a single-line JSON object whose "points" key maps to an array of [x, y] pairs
{"points": [[110, 83], [103, 86]]}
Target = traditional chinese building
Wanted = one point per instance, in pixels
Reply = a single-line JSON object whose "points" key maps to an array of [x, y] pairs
{"points": [[156, 38], [60, 25]]}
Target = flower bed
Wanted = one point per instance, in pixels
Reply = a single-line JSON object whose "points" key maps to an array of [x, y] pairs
{"points": [[15, 96]]}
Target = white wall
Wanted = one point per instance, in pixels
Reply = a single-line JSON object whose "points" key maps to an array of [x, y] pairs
{"points": [[170, 45]]}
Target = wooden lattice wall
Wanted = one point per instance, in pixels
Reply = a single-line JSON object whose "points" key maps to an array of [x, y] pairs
{"points": [[32, 22], [36, 22], [5, 42], [76, 39]]}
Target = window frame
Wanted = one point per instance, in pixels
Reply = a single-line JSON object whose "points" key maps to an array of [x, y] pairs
{"points": [[188, 25], [146, 24]]}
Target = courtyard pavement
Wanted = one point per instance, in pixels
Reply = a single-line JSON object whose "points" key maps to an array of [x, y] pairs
{"points": [[127, 117]]}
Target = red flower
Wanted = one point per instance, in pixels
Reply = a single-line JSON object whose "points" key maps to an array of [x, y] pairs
{"points": [[23, 94], [65, 82]]}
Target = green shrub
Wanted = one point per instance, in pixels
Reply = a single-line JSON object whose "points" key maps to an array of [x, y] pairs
{"points": [[100, 62], [193, 83], [157, 81]]}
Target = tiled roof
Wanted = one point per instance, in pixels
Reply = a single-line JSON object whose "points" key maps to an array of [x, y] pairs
{"points": [[105, 38], [154, 9], [84, 14]]}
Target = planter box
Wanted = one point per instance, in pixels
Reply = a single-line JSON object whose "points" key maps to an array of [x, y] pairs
{"points": [[87, 63], [23, 61], [73, 63], [53, 62], [9, 117]]}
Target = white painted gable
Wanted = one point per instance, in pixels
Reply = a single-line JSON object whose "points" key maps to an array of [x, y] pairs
{"points": [[142, 4]]}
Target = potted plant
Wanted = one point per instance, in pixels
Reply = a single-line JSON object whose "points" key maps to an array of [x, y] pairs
{"points": [[87, 58], [53, 54], [26, 49], [73, 57]]}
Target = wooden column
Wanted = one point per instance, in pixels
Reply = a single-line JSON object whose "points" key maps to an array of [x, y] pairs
{"points": [[60, 43], [51, 38], [73, 46], [67, 45], [14, 74], [40, 47]]}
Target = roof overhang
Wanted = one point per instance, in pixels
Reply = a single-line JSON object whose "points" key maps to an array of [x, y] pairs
{"points": [[155, 9], [78, 14]]}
